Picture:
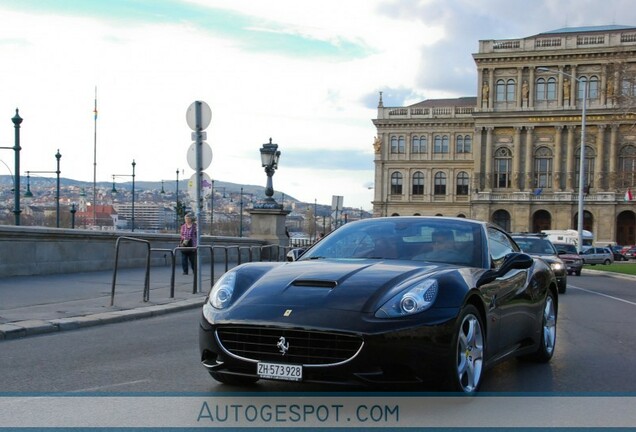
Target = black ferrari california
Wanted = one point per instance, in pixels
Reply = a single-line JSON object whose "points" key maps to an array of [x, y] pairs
{"points": [[384, 301]]}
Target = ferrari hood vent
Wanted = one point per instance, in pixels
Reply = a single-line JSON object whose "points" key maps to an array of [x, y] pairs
{"points": [[315, 283]]}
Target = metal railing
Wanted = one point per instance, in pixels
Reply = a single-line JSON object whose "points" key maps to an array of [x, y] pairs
{"points": [[230, 253]]}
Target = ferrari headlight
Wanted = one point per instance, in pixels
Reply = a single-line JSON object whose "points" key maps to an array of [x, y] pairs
{"points": [[221, 293], [415, 299], [556, 266]]}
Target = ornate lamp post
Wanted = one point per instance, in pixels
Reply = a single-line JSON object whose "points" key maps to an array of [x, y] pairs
{"points": [[17, 120], [114, 191], [29, 194], [269, 160], [73, 211]]}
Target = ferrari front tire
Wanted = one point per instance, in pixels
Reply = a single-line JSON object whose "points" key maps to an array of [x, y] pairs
{"points": [[548, 331], [469, 346]]}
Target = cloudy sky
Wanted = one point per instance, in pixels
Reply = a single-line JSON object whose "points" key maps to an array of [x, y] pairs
{"points": [[307, 74]]}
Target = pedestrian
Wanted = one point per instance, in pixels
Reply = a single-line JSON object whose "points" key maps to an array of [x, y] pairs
{"points": [[189, 240]]}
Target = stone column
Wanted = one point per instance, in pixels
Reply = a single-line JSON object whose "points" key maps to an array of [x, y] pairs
{"points": [[529, 158], [570, 170], [556, 180], [613, 160], [480, 85], [488, 156], [573, 87], [603, 99], [477, 152], [516, 159], [519, 85], [531, 88], [598, 180], [491, 84], [560, 88]]}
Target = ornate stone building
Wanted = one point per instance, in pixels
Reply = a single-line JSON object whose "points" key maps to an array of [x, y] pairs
{"points": [[511, 155]]}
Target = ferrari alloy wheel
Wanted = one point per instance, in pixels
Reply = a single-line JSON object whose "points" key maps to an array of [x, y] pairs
{"points": [[548, 330], [469, 356]]}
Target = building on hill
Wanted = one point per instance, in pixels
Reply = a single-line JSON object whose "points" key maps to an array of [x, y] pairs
{"points": [[511, 154]]}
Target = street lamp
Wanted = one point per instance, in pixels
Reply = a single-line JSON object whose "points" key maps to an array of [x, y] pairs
{"points": [[269, 160], [29, 194], [114, 191], [582, 155], [17, 120], [73, 211]]}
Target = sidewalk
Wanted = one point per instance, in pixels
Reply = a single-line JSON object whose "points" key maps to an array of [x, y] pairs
{"points": [[31, 305]]}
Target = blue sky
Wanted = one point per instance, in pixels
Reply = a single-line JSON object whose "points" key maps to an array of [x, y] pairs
{"points": [[305, 73]]}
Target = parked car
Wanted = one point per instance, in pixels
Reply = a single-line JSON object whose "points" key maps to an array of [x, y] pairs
{"points": [[538, 245], [381, 301], [598, 255], [630, 253], [617, 251], [570, 257]]}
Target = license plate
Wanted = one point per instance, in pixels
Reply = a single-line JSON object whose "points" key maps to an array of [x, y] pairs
{"points": [[279, 371]]}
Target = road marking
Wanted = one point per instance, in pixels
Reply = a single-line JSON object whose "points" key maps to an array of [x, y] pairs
{"points": [[603, 295], [108, 386]]}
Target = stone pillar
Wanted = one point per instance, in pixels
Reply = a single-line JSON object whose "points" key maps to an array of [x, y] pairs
{"points": [[569, 164], [573, 87], [531, 82], [560, 88], [491, 84], [613, 160], [519, 85], [480, 85], [529, 158], [556, 180], [477, 152], [488, 156], [598, 180], [269, 224], [516, 159]]}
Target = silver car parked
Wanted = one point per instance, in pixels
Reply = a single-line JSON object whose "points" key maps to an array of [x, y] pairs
{"points": [[598, 255]]}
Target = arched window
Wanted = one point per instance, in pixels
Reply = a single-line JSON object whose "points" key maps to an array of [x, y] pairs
{"points": [[462, 183], [543, 168], [539, 89], [396, 183], [592, 91], [441, 144], [627, 166], [397, 144], [463, 144], [500, 91], [440, 183], [418, 183], [588, 180], [503, 159], [510, 90], [418, 144], [551, 93], [501, 218]]}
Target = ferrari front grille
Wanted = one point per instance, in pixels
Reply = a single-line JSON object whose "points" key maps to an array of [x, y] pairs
{"points": [[288, 345]]}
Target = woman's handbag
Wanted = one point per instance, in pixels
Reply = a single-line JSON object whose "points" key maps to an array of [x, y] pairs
{"points": [[186, 243]]}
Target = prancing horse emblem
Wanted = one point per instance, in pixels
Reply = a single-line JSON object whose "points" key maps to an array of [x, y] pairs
{"points": [[282, 345]]}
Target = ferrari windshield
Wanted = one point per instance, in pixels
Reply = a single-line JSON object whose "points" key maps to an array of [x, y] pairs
{"points": [[445, 240]]}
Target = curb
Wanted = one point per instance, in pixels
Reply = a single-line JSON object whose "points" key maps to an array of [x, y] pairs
{"points": [[20, 329]]}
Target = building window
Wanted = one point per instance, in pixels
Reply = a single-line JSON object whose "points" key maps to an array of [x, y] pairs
{"points": [[396, 183], [440, 183], [592, 90], [462, 183], [418, 144], [501, 218], [543, 168], [463, 144], [397, 144], [418, 183], [441, 144], [588, 180], [627, 166], [503, 159], [545, 89], [505, 90]]}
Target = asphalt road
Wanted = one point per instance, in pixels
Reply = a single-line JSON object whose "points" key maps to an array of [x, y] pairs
{"points": [[596, 346]]}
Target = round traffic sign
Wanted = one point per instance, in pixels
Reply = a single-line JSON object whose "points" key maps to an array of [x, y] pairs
{"points": [[191, 116], [206, 185], [206, 155]]}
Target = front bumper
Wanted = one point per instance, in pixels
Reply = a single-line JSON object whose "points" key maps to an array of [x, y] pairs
{"points": [[411, 355]]}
